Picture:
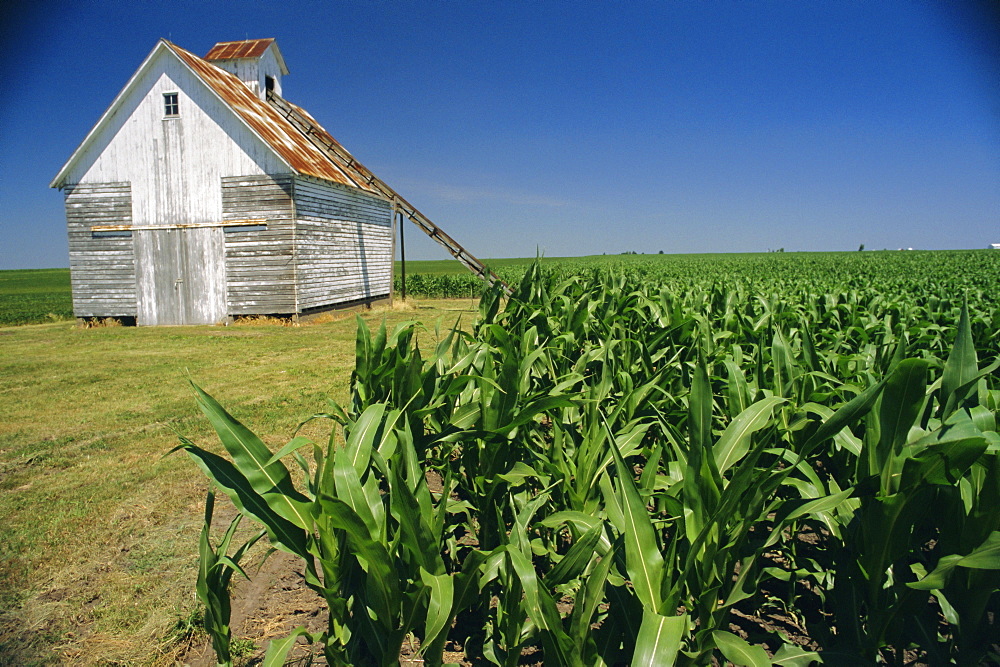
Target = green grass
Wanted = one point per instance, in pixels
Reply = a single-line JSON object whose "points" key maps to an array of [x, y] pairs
{"points": [[98, 531]]}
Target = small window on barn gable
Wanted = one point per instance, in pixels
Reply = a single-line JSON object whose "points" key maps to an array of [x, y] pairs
{"points": [[171, 108], [269, 83]]}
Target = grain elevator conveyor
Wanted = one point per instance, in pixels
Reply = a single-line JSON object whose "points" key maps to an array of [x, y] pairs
{"points": [[357, 171]]}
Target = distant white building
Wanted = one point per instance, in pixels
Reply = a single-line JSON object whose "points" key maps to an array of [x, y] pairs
{"points": [[995, 246]]}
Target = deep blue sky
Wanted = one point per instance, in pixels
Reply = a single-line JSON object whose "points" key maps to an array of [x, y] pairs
{"points": [[573, 127]]}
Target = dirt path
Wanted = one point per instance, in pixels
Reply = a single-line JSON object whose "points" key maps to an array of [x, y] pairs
{"points": [[273, 603]]}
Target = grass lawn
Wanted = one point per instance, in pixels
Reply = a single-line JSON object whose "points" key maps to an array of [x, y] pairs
{"points": [[98, 530]]}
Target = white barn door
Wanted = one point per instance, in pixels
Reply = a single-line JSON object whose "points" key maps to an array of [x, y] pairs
{"points": [[180, 276]]}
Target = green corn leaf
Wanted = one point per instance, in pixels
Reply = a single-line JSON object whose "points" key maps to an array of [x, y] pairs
{"points": [[809, 350], [938, 577], [849, 413], [659, 639], [533, 409], [467, 581], [542, 610], [983, 418], [970, 387], [362, 351], [581, 524], [612, 505], [945, 455], [735, 440], [700, 408], [643, 559], [439, 606], [588, 599], [518, 473], [961, 366], [702, 482], [790, 655], [361, 439], [739, 652], [293, 445], [278, 649], [415, 525], [465, 416], [738, 389], [283, 533], [986, 556], [381, 593], [251, 456], [576, 559], [781, 361], [795, 509], [901, 402], [351, 491]]}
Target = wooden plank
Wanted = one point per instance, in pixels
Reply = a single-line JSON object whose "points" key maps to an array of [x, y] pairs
{"points": [[102, 270], [181, 276], [260, 274]]}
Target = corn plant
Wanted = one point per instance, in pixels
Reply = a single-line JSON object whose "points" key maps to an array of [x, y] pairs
{"points": [[625, 457], [366, 517], [911, 462], [215, 571]]}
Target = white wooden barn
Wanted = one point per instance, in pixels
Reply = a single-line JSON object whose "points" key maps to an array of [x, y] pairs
{"points": [[202, 194]]}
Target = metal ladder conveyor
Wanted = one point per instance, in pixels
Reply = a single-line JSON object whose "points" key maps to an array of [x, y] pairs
{"points": [[341, 157]]}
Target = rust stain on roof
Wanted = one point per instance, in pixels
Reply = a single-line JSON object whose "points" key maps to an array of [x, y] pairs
{"points": [[294, 147], [248, 48], [361, 172]]}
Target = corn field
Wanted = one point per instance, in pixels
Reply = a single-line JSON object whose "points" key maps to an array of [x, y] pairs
{"points": [[613, 467]]}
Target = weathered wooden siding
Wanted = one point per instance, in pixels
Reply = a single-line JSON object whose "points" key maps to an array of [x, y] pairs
{"points": [[343, 244], [180, 276], [102, 270], [174, 164], [323, 243], [260, 267]]}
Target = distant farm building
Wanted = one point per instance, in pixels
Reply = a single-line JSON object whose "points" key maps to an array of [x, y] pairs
{"points": [[201, 194], [995, 246]]}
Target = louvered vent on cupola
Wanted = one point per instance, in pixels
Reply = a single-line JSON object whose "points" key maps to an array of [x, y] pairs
{"points": [[256, 62]]}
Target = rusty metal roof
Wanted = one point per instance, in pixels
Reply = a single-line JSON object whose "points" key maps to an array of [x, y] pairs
{"points": [[293, 146], [360, 171], [248, 48]]}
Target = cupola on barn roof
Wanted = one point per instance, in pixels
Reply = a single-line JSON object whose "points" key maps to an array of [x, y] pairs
{"points": [[247, 48], [258, 63]]}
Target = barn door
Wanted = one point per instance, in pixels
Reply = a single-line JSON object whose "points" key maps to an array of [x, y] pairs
{"points": [[180, 276]]}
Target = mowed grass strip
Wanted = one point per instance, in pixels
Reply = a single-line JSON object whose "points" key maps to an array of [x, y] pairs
{"points": [[98, 531]]}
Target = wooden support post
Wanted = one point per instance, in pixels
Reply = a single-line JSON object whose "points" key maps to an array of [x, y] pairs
{"points": [[402, 254], [392, 254]]}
